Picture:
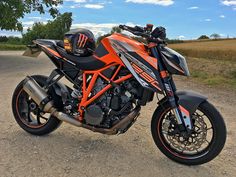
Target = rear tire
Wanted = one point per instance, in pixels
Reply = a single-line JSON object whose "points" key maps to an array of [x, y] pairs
{"points": [[41, 129], [212, 150]]}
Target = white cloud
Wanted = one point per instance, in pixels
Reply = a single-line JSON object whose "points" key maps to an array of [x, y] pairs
{"points": [[75, 6], [181, 37], [156, 2], [94, 6], [229, 2], [222, 35], [98, 28], [28, 23], [222, 16], [193, 8], [35, 18], [25, 28], [87, 4], [208, 20], [76, 1]]}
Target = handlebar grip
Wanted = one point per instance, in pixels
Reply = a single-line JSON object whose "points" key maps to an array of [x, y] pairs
{"points": [[124, 27], [121, 26], [139, 29]]}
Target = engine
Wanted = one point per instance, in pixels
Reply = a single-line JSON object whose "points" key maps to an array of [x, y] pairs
{"points": [[112, 106]]}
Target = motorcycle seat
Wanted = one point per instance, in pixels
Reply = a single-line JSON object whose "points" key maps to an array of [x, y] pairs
{"points": [[84, 63]]}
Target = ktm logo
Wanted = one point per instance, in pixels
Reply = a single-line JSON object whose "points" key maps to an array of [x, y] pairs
{"points": [[146, 76]]}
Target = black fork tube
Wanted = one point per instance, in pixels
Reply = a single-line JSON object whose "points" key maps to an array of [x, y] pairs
{"points": [[170, 88], [168, 83]]}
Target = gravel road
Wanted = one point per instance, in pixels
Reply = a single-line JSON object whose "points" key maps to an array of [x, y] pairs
{"points": [[71, 151]]}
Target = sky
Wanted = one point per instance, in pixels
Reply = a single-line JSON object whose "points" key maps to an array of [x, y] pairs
{"points": [[183, 19]]}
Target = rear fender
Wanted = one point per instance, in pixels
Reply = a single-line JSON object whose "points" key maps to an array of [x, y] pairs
{"points": [[32, 51]]}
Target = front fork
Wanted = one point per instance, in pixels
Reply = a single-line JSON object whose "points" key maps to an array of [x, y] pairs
{"points": [[182, 115]]}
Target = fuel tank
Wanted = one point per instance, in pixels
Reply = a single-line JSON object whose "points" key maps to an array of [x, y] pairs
{"points": [[135, 56]]}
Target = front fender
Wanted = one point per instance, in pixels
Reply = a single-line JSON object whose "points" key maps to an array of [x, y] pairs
{"points": [[188, 99]]}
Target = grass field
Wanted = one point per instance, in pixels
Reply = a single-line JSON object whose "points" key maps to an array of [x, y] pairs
{"points": [[220, 50], [4, 46], [213, 62]]}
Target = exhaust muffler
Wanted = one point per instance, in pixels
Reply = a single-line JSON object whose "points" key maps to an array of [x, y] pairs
{"points": [[38, 94]]}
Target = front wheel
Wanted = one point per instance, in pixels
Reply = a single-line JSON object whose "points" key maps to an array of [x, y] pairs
{"points": [[205, 142]]}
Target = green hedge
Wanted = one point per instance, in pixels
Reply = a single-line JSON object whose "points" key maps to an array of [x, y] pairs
{"points": [[12, 47]]}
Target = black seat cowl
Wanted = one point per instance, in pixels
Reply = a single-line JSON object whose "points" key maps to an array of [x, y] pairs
{"points": [[51, 43], [83, 63], [60, 44], [47, 42]]}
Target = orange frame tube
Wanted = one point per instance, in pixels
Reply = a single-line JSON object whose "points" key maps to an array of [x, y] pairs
{"points": [[85, 101]]}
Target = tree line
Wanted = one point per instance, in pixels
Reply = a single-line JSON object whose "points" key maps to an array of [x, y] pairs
{"points": [[11, 40], [54, 29]]}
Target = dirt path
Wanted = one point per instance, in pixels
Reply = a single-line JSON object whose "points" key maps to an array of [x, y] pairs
{"points": [[71, 151]]}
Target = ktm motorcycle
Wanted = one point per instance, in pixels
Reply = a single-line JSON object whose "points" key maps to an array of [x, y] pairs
{"points": [[112, 85]]}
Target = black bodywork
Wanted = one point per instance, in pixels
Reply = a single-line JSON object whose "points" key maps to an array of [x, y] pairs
{"points": [[173, 61]]}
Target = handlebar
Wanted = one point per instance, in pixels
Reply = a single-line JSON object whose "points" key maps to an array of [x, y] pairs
{"points": [[140, 31], [133, 29]]}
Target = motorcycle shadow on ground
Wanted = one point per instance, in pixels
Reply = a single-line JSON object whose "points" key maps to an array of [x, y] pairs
{"points": [[123, 155]]}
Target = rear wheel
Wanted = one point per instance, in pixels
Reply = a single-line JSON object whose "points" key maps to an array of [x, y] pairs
{"points": [[205, 142], [27, 113]]}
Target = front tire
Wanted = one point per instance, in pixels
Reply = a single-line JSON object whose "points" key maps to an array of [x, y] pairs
{"points": [[27, 114], [181, 155]]}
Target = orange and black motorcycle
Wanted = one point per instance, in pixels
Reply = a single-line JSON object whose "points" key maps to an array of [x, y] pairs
{"points": [[110, 85]]}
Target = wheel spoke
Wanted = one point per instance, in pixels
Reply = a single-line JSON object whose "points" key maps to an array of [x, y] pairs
{"points": [[44, 118], [209, 128], [164, 132], [38, 117], [28, 114]]}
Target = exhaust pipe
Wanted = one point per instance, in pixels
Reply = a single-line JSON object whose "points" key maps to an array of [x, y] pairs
{"points": [[118, 128], [40, 96], [66, 118]]}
